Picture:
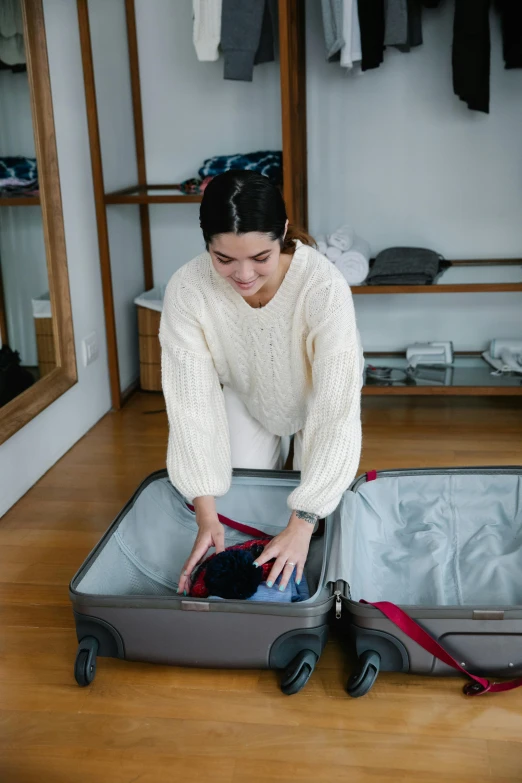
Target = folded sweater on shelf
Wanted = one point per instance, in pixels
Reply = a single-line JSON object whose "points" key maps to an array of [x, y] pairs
{"points": [[405, 266]]}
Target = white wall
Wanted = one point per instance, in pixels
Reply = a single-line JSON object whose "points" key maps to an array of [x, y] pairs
{"points": [[113, 96], [396, 154], [26, 456], [191, 113], [22, 248]]}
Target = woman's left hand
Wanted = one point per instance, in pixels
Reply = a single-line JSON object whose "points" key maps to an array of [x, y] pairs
{"points": [[290, 550]]}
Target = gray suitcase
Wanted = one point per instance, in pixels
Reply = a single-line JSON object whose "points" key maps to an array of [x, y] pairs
{"points": [[443, 544], [446, 547], [126, 605]]}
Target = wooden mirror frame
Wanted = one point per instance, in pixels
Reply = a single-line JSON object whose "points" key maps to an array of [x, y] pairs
{"points": [[30, 403]]}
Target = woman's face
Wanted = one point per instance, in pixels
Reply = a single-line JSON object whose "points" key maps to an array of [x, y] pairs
{"points": [[247, 261]]}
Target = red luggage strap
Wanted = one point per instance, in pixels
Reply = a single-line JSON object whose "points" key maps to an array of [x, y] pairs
{"points": [[250, 531], [413, 630]]}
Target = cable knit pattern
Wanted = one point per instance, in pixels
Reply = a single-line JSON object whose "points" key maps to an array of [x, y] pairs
{"points": [[296, 364]]}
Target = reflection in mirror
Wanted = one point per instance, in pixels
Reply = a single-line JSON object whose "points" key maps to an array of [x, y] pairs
{"points": [[26, 325]]}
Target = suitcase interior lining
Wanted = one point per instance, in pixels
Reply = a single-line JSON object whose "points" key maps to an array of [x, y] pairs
{"points": [[149, 543], [433, 540]]}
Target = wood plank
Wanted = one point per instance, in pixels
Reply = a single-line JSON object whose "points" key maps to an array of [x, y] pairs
{"points": [[444, 391], [99, 201], [152, 198], [19, 201], [180, 738], [292, 57], [139, 139], [456, 288], [87, 765]]}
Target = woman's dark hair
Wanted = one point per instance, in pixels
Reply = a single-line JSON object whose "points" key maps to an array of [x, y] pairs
{"points": [[239, 202]]}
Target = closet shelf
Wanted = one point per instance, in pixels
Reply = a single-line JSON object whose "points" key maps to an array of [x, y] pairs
{"points": [[19, 201], [503, 274], [151, 194], [469, 376]]}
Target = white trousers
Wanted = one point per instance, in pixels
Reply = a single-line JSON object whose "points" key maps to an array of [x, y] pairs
{"points": [[251, 445]]}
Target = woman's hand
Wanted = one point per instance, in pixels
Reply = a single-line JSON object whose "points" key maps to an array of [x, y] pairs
{"points": [[290, 550], [210, 534]]}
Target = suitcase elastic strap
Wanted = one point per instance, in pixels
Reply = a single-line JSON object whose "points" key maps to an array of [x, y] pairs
{"points": [[414, 631], [250, 531]]}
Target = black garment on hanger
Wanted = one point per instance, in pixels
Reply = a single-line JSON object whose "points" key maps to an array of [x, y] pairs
{"points": [[471, 53], [17, 68], [511, 20], [414, 26], [371, 22], [269, 34]]}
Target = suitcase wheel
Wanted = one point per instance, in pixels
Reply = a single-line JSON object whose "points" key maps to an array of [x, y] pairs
{"points": [[359, 684], [298, 672], [85, 664]]}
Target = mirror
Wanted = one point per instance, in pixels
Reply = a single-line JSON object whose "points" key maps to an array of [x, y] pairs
{"points": [[37, 361]]}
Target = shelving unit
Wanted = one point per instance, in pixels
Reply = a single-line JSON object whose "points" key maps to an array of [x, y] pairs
{"points": [[469, 375], [512, 268], [19, 201], [293, 121], [151, 194], [496, 275]]}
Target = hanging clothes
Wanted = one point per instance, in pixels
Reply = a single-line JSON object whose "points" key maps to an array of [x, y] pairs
{"points": [[332, 11], [269, 34], [471, 53], [511, 21], [247, 37], [414, 26], [396, 23], [12, 51], [206, 32], [351, 52], [371, 20]]}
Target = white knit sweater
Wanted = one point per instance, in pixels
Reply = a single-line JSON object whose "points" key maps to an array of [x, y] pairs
{"points": [[295, 363]]}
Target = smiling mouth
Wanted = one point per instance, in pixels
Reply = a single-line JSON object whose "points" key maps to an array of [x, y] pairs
{"points": [[245, 285]]}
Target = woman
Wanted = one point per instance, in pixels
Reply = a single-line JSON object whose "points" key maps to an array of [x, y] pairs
{"points": [[265, 316]]}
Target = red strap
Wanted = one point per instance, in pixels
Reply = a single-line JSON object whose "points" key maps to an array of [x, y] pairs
{"points": [[414, 631], [251, 531], [371, 475]]}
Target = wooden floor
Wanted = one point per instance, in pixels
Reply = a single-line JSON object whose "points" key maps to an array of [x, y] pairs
{"points": [[151, 724]]}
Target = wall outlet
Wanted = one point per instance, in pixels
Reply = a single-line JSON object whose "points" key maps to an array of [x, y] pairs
{"points": [[90, 348]]}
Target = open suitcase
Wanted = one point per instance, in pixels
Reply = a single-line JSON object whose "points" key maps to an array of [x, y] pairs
{"points": [[444, 544], [125, 595]]}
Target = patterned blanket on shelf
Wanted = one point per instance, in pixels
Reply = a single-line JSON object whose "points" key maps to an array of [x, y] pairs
{"points": [[268, 163], [18, 174]]}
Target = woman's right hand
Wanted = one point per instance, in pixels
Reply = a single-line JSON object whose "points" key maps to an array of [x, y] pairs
{"points": [[211, 533]]}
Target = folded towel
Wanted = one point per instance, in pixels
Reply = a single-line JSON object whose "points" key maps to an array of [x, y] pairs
{"points": [[342, 238], [333, 253], [354, 264], [321, 243]]}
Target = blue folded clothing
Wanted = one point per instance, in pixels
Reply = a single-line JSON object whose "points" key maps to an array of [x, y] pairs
{"points": [[293, 593], [268, 163], [18, 172]]}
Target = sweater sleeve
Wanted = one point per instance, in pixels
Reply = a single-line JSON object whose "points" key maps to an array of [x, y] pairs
{"points": [[331, 446], [198, 458]]}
